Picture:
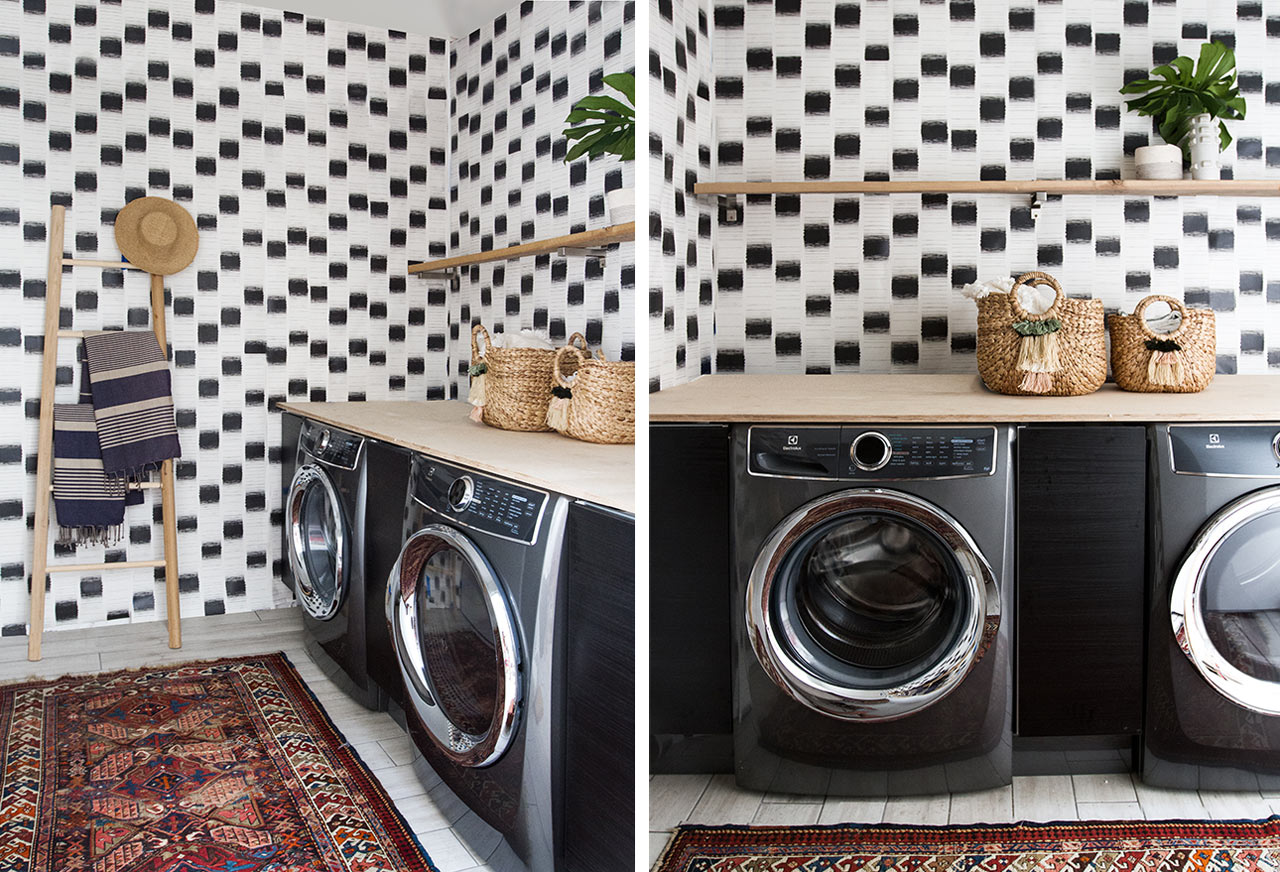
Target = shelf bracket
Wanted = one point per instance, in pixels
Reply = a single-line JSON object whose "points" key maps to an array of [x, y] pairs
{"points": [[1038, 199], [440, 274], [730, 210], [576, 251]]}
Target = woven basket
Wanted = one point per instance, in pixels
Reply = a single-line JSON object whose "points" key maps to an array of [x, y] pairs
{"points": [[1179, 362], [598, 404], [514, 394], [1023, 354]]}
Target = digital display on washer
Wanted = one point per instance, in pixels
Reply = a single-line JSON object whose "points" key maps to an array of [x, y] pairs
{"points": [[916, 452], [480, 502]]}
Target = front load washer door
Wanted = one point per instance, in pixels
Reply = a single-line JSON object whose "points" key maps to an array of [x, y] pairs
{"points": [[1225, 605], [455, 638], [317, 542], [870, 604]]}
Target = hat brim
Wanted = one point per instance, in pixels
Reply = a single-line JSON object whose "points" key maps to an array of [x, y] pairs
{"points": [[157, 259]]}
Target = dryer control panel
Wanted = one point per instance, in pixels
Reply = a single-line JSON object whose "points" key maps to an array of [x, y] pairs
{"points": [[330, 446], [481, 502], [1237, 450], [871, 453]]}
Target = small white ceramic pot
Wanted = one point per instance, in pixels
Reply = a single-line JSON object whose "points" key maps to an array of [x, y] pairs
{"points": [[621, 203], [1158, 162], [1202, 141]]}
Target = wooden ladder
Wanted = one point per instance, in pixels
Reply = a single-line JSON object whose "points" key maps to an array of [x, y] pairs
{"points": [[44, 458]]}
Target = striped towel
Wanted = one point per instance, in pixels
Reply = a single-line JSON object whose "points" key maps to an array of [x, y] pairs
{"points": [[89, 503], [128, 375]]}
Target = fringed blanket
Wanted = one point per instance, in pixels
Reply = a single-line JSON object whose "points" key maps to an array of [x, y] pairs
{"points": [[132, 400], [89, 503], [122, 427]]}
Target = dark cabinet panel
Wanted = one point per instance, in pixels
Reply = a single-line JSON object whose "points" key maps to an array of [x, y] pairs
{"points": [[599, 737], [388, 476], [1080, 555], [690, 668]]}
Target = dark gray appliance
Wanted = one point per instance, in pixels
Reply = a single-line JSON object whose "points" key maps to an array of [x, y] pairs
{"points": [[472, 609], [324, 546], [872, 579], [1213, 656]]}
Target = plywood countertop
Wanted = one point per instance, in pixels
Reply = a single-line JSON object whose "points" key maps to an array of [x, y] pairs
{"points": [[947, 399], [602, 474]]}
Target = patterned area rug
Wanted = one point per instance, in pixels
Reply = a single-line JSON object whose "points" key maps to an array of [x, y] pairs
{"points": [[227, 765], [1121, 846]]}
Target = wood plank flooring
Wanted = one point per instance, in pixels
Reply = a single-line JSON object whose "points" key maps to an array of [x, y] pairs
{"points": [[716, 799], [455, 838]]}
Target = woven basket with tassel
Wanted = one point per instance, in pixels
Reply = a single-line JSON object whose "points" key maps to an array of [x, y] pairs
{"points": [[1179, 362], [1061, 352], [509, 385], [598, 403]]}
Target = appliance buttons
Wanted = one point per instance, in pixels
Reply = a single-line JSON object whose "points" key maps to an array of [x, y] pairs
{"points": [[870, 451]]}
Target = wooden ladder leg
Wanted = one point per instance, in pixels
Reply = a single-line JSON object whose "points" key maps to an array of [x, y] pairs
{"points": [[44, 448], [173, 607]]}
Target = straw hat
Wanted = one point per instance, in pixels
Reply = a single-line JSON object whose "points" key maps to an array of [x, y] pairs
{"points": [[157, 235]]}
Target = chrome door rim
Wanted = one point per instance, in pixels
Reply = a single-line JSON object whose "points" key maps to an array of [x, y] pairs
{"points": [[465, 749], [863, 704], [308, 476], [1187, 618]]}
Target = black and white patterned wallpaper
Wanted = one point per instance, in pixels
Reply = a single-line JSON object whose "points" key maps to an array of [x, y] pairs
{"points": [[312, 155], [513, 83], [836, 90], [680, 152]]}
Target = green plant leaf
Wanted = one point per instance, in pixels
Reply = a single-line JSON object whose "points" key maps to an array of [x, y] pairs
{"points": [[606, 104], [624, 83], [600, 125], [1184, 66], [1224, 138], [1166, 72]]}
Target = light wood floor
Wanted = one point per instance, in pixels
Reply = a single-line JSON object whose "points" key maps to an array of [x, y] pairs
{"points": [[453, 835], [716, 799]]}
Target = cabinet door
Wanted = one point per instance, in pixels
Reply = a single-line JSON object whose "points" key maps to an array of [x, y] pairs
{"points": [[1081, 548], [690, 668], [599, 739]]}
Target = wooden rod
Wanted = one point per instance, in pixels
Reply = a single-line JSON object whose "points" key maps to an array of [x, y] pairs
{"points": [[1119, 187], [44, 446], [103, 567], [103, 264], [586, 239], [173, 607]]}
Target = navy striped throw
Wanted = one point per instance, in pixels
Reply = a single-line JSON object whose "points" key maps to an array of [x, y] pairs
{"points": [[128, 376], [89, 503]]}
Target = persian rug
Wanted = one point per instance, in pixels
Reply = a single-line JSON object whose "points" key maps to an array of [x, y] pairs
{"points": [[227, 765], [1111, 846]]}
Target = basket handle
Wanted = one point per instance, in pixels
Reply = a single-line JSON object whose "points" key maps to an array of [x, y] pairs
{"points": [[1175, 305], [556, 376], [475, 345], [1034, 278], [582, 345]]}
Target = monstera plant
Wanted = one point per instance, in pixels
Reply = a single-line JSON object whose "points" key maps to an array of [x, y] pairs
{"points": [[600, 126]]}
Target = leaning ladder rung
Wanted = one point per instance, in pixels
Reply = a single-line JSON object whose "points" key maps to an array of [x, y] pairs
{"points": [[97, 567], [104, 264], [134, 485]]}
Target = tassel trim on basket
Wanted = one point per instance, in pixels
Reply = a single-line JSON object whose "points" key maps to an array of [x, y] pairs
{"points": [[1167, 366], [1038, 355], [476, 395], [558, 409]]}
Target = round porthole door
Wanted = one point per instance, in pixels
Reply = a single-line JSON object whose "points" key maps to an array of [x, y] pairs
{"points": [[870, 604], [455, 636], [317, 542], [1225, 604]]}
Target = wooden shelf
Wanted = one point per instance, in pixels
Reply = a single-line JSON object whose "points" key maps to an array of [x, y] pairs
{"points": [[585, 239], [1122, 187]]}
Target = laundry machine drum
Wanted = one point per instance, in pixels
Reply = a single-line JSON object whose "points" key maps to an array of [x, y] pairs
{"points": [[317, 542], [455, 637], [870, 604], [1225, 603]]}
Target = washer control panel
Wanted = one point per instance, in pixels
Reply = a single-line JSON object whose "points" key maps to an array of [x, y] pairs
{"points": [[871, 453], [1244, 451], [478, 501], [330, 446]]}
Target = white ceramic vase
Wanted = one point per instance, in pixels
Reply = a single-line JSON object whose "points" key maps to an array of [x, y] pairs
{"points": [[621, 203], [1202, 142], [1158, 161]]}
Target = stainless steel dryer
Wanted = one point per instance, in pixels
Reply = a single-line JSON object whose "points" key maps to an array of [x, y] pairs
{"points": [[471, 604], [873, 569], [324, 548], [1213, 635]]}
